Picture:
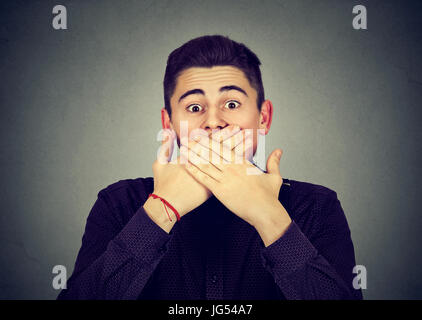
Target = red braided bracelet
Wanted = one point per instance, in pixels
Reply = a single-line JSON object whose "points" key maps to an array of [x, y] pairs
{"points": [[166, 203]]}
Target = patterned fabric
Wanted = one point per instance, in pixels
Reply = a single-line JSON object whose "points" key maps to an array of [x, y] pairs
{"points": [[211, 253]]}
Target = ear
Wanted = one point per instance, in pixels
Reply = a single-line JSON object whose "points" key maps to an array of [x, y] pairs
{"points": [[266, 116], [165, 119]]}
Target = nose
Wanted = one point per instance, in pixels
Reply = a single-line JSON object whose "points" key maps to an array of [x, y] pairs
{"points": [[213, 121]]}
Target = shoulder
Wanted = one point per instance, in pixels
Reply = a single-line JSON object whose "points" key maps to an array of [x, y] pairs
{"points": [[305, 189], [310, 203], [119, 201], [126, 192]]}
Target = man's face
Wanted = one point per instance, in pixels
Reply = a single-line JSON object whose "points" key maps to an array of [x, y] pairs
{"points": [[213, 98]]}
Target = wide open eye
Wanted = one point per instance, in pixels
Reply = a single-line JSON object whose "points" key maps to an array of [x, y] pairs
{"points": [[194, 108], [232, 104]]}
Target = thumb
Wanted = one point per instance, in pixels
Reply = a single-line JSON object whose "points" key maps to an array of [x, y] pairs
{"points": [[273, 161]]}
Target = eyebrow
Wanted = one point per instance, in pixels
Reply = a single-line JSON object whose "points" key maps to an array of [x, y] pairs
{"points": [[222, 89]]}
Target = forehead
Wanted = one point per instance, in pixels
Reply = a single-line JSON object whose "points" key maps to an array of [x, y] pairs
{"points": [[218, 76]]}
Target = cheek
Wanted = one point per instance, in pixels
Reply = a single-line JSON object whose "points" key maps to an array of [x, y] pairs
{"points": [[184, 128], [181, 124], [247, 123], [247, 119]]}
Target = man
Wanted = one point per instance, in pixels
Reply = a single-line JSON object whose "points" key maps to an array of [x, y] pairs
{"points": [[208, 226]]}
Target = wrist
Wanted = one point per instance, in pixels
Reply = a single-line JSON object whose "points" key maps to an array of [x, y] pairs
{"points": [[157, 213], [272, 224]]}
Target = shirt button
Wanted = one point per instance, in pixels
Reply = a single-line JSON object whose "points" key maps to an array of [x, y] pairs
{"points": [[214, 279], [161, 249]]}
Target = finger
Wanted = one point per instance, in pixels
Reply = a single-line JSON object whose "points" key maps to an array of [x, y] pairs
{"points": [[207, 168], [221, 154], [244, 148], [273, 162], [208, 149], [242, 153], [230, 156], [237, 139], [201, 177], [225, 133], [231, 139], [200, 156], [191, 151], [183, 158], [199, 133], [196, 154], [217, 153]]}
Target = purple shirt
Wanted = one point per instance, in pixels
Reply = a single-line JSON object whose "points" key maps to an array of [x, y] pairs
{"points": [[211, 253]]}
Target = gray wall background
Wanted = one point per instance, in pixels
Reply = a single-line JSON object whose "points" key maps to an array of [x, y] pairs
{"points": [[80, 109]]}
